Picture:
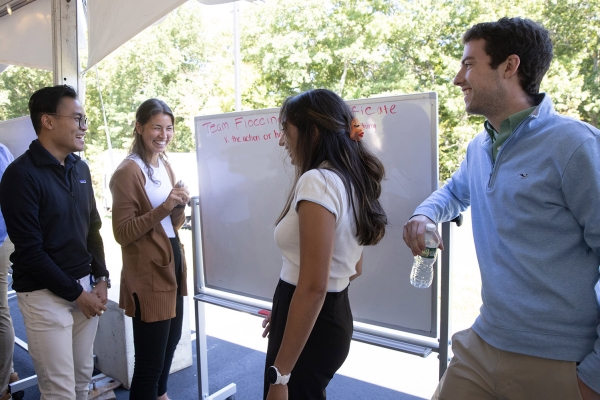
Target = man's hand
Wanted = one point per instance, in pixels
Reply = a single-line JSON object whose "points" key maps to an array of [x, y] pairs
{"points": [[278, 392], [101, 290], [586, 392], [414, 234], [90, 304]]}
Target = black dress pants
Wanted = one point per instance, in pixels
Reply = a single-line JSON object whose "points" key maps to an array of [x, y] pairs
{"points": [[326, 349], [154, 344]]}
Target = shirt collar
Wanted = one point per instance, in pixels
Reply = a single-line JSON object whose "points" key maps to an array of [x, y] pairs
{"points": [[42, 157], [509, 124]]}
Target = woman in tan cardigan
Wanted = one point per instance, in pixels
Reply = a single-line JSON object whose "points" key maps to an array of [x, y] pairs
{"points": [[147, 212]]}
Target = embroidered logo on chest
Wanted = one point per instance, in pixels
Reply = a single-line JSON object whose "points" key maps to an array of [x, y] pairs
{"points": [[523, 175]]}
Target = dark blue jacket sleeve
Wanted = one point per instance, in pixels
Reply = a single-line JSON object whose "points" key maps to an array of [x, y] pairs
{"points": [[20, 198]]}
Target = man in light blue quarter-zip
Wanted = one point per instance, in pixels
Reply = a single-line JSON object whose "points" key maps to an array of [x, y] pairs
{"points": [[532, 180]]}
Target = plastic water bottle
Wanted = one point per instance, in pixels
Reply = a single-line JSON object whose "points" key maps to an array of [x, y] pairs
{"points": [[421, 274]]}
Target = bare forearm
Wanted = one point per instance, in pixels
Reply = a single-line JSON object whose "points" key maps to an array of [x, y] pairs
{"points": [[304, 309], [317, 232]]}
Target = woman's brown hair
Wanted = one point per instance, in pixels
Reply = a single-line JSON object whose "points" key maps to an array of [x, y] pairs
{"points": [[144, 113], [323, 120]]}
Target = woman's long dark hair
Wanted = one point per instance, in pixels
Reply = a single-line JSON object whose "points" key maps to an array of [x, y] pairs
{"points": [[323, 120], [144, 113]]}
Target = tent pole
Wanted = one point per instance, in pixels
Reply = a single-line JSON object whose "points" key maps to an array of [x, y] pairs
{"points": [[65, 56]]}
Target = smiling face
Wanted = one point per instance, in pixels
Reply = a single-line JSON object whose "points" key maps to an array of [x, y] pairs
{"points": [[482, 86], [289, 140], [156, 135], [61, 134]]}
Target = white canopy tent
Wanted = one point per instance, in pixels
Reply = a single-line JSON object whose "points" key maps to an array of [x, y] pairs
{"points": [[48, 34], [26, 33], [114, 22]]}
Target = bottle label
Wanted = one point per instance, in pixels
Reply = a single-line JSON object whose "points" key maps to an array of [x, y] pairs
{"points": [[429, 252]]}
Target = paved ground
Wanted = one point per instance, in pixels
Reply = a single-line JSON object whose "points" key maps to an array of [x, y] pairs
{"points": [[369, 372], [236, 348]]}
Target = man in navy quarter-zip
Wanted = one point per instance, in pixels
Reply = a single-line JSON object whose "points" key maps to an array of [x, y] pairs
{"points": [[59, 272], [532, 180]]}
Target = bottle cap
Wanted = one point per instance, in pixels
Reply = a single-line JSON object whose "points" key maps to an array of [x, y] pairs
{"points": [[430, 227]]}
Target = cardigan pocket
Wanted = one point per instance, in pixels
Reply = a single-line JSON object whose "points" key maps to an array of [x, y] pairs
{"points": [[163, 277], [183, 265]]}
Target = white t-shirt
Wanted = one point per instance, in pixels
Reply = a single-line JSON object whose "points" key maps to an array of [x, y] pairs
{"points": [[325, 188], [157, 192]]}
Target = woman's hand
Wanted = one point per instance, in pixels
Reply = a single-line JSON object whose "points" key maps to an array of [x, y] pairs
{"points": [[177, 197], [267, 325], [278, 392]]}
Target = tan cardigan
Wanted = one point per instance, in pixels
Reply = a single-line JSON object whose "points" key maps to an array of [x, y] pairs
{"points": [[148, 269]]}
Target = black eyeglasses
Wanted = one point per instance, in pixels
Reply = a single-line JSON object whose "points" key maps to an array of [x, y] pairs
{"points": [[79, 120]]}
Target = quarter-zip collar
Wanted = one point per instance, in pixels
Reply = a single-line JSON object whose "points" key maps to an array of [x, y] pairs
{"points": [[41, 156], [495, 150]]}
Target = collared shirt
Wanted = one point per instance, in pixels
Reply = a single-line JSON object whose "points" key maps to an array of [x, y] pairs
{"points": [[536, 228], [5, 158], [507, 127]]}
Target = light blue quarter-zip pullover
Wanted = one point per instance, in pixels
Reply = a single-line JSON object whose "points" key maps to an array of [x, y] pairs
{"points": [[536, 227]]}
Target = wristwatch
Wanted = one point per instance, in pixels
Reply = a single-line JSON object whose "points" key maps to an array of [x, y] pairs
{"points": [[275, 378], [102, 278]]}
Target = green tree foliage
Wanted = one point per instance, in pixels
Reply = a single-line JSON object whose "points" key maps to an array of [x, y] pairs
{"points": [[168, 61], [358, 48], [575, 77], [295, 46], [16, 85]]}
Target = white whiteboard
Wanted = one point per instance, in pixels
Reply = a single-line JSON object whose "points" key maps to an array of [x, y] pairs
{"points": [[243, 185], [17, 134]]}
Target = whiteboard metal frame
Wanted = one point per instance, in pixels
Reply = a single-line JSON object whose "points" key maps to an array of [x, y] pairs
{"points": [[201, 346], [405, 341], [366, 333]]}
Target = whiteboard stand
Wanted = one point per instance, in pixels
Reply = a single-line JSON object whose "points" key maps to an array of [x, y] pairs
{"points": [[446, 296], [242, 185], [206, 295], [228, 392], [445, 317]]}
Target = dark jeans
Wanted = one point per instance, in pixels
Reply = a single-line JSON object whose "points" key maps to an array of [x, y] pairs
{"points": [[326, 349], [154, 344]]}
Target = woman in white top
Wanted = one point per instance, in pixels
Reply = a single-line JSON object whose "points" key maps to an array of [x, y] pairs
{"points": [[148, 210], [330, 214]]}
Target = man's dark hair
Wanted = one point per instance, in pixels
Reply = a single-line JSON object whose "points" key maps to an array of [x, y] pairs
{"points": [[523, 37], [46, 101]]}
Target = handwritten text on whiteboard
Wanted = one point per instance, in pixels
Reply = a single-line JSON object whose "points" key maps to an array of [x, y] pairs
{"points": [[243, 123]]}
